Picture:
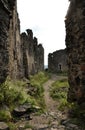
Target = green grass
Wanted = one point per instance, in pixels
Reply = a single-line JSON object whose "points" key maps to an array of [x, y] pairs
{"points": [[36, 82], [12, 126], [40, 78], [14, 93], [58, 91], [5, 115]]}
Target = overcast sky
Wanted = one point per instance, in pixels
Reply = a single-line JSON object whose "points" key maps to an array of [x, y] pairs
{"points": [[46, 19]]}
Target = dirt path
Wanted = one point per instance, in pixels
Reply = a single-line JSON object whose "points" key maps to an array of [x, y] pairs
{"points": [[50, 103], [50, 119]]}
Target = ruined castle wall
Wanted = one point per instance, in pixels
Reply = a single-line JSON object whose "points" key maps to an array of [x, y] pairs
{"points": [[8, 39], [17, 56], [40, 58], [28, 53], [36, 54], [57, 61], [75, 43], [33, 54], [4, 25], [15, 51]]}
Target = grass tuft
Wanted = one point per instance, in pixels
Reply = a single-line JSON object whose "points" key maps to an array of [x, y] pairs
{"points": [[58, 91], [36, 82]]}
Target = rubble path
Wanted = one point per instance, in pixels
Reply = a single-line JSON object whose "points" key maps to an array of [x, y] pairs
{"points": [[50, 120], [50, 103]]}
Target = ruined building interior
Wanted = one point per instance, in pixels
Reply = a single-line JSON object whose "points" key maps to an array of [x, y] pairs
{"points": [[21, 55]]}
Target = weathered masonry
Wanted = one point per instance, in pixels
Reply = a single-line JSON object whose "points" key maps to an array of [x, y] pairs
{"points": [[33, 54], [10, 50], [18, 58], [75, 43], [57, 61]]}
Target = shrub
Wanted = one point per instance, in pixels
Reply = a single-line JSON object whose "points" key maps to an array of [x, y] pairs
{"points": [[5, 115], [14, 93]]}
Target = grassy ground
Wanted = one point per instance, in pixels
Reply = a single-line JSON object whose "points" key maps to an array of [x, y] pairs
{"points": [[14, 93], [76, 113], [58, 91], [36, 82]]}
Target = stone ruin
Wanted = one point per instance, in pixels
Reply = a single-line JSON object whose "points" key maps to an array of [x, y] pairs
{"points": [[18, 53], [75, 43], [19, 58], [33, 54], [57, 61]]}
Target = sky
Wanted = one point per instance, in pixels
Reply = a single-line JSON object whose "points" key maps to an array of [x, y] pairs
{"points": [[46, 19]]}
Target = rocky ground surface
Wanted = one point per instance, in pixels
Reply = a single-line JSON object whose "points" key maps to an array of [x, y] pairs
{"points": [[51, 119]]}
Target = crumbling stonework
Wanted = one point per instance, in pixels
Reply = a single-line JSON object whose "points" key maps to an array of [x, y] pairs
{"points": [[28, 54], [15, 50], [17, 58], [38, 56], [4, 24], [75, 43], [33, 54], [10, 45], [57, 61]]}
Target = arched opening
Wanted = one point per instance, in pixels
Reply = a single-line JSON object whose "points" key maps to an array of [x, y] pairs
{"points": [[60, 67]]}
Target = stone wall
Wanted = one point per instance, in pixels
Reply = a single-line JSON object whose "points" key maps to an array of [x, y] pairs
{"points": [[33, 54], [10, 44], [75, 43], [15, 50], [57, 61], [17, 58], [38, 56], [28, 54], [4, 27]]}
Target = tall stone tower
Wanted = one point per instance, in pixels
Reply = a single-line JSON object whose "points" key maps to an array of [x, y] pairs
{"points": [[75, 43]]}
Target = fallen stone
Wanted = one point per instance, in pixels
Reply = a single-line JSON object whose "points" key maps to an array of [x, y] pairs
{"points": [[64, 121], [28, 107], [54, 123], [21, 126], [26, 117], [22, 109], [61, 127], [72, 127], [3, 126], [19, 111], [35, 108]]}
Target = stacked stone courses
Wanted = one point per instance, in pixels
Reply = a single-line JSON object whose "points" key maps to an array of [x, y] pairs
{"points": [[75, 45], [33, 55], [57, 61], [17, 53]]}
